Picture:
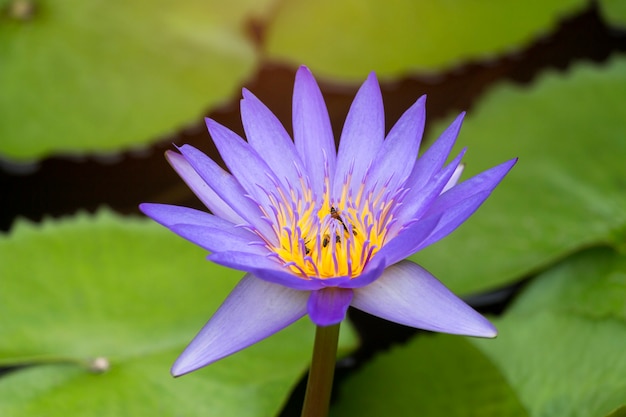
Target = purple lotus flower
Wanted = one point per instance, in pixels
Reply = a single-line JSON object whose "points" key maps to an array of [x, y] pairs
{"points": [[318, 230]]}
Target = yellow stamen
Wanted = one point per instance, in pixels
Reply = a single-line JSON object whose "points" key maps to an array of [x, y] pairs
{"points": [[330, 239]]}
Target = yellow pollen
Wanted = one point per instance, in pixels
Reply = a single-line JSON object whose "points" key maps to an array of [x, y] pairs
{"points": [[330, 240]]}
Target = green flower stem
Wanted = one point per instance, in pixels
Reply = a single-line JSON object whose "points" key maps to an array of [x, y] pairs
{"points": [[320, 383]]}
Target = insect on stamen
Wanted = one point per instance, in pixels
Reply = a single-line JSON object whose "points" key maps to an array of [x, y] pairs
{"points": [[335, 215]]}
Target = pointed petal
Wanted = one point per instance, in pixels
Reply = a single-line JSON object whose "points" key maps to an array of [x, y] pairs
{"points": [[452, 218], [222, 240], [418, 200], [204, 229], [433, 159], [251, 171], [485, 181], [399, 150], [407, 240], [454, 179], [264, 267], [269, 138], [409, 295], [328, 306], [312, 132], [169, 215], [254, 310], [461, 201], [229, 190], [362, 135], [201, 189]]}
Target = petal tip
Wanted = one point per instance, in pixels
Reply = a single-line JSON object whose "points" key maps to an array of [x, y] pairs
{"points": [[182, 366], [247, 95], [372, 83], [304, 77], [303, 69], [170, 154], [459, 120], [489, 331], [177, 370], [145, 208]]}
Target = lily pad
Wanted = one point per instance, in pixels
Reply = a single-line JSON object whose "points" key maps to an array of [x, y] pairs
{"points": [[253, 383], [348, 39], [131, 293], [435, 375], [82, 76], [620, 412], [614, 11], [561, 348], [565, 193]]}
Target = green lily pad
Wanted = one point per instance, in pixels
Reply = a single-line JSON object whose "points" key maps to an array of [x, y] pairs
{"points": [[255, 382], [349, 39], [614, 11], [81, 76], [620, 412], [591, 285], [565, 193], [436, 375], [131, 293], [561, 348]]}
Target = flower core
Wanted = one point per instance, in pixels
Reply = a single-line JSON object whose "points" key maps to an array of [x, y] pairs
{"points": [[330, 237]]}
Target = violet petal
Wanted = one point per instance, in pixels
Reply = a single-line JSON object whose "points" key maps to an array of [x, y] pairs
{"points": [[454, 179], [485, 181], [252, 172], [312, 132], [254, 310], [269, 138], [462, 200], [452, 218], [433, 159], [328, 306], [265, 268], [399, 150], [201, 189], [222, 240], [408, 294], [362, 135], [229, 190], [417, 201], [169, 215], [407, 240], [372, 271]]}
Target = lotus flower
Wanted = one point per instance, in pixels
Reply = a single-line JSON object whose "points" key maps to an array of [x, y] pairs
{"points": [[318, 229]]}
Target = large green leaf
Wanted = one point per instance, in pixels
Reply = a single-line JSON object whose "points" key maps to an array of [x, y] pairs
{"points": [[435, 375], [561, 346], [620, 412], [614, 11], [350, 38], [81, 76], [255, 382], [567, 190], [133, 293]]}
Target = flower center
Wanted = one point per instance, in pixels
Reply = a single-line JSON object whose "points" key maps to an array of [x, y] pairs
{"points": [[327, 238]]}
